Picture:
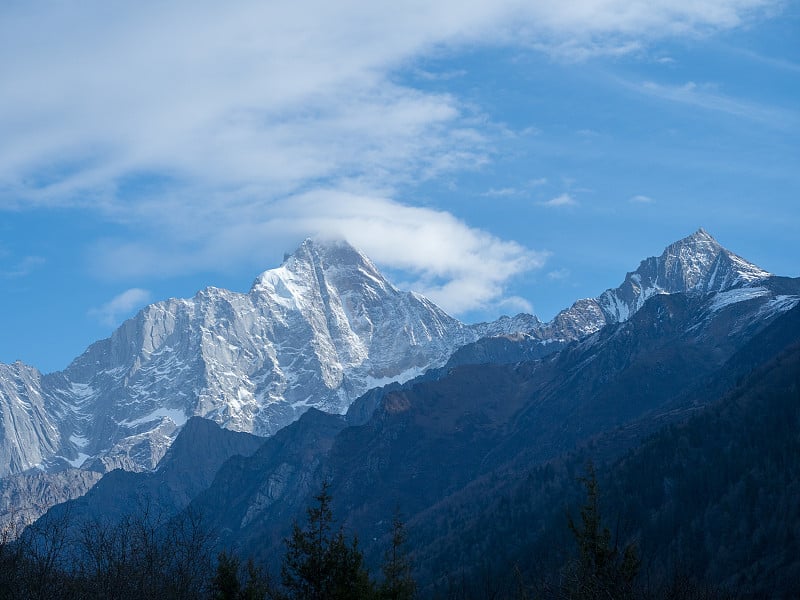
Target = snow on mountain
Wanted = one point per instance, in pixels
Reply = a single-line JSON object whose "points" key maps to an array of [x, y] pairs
{"points": [[319, 331], [29, 429], [695, 264], [508, 326]]}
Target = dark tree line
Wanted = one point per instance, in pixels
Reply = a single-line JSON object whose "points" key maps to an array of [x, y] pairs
{"points": [[142, 556], [146, 556]]}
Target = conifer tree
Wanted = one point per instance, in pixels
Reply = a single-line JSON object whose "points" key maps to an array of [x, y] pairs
{"points": [[226, 585], [258, 585], [398, 584], [601, 571], [320, 565]]}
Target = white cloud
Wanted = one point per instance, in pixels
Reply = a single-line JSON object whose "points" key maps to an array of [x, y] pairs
{"points": [[500, 192], [457, 266], [560, 201], [558, 274], [515, 304], [641, 199], [708, 97], [268, 94], [24, 267], [440, 76], [120, 306]]}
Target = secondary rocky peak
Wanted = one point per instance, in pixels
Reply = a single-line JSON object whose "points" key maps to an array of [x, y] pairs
{"points": [[697, 263], [699, 243], [686, 262], [701, 234]]}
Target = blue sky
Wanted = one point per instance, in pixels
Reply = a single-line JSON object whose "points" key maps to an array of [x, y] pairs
{"points": [[498, 157]]}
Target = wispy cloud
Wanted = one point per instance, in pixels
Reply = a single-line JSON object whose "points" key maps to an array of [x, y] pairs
{"points": [[561, 201], [641, 199], [769, 61], [120, 306], [440, 75], [708, 97], [270, 95], [460, 267], [521, 190], [500, 192], [24, 267], [558, 274]]}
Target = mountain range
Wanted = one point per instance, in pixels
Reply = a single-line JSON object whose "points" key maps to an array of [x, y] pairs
{"points": [[319, 331], [321, 335]]}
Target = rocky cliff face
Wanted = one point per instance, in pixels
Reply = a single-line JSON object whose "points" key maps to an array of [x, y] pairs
{"points": [[188, 468], [318, 331], [30, 431]]}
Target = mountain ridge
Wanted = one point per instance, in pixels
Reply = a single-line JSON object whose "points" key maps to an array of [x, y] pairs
{"points": [[318, 331]]}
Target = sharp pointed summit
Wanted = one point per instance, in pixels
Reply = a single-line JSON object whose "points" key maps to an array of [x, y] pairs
{"points": [[694, 264], [333, 262]]}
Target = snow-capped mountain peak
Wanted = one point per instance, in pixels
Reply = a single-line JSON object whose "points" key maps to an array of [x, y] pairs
{"points": [[694, 264], [317, 331], [699, 262], [335, 262], [684, 264]]}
